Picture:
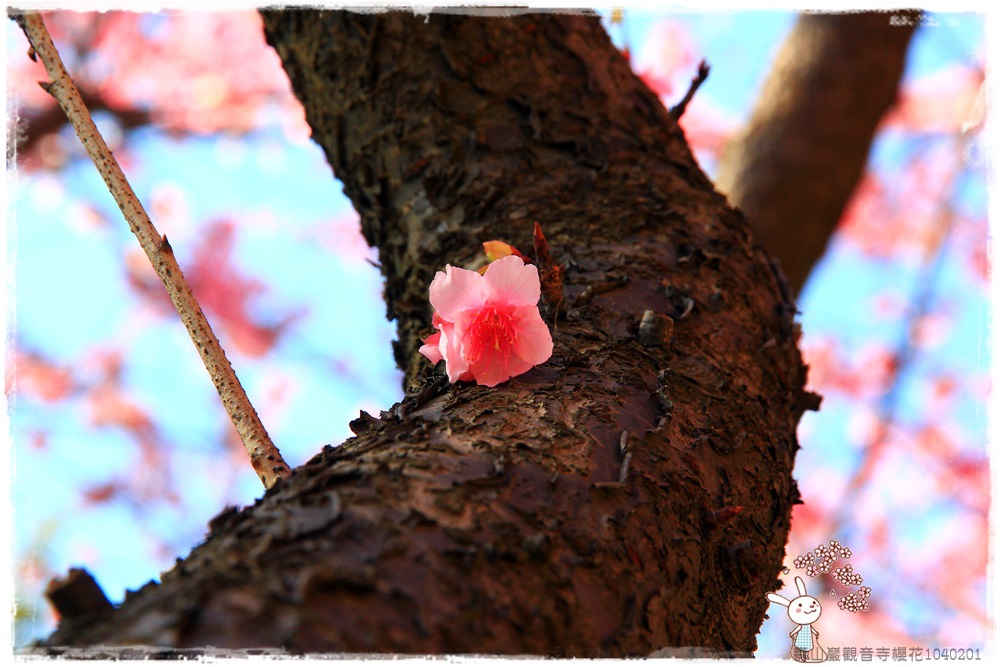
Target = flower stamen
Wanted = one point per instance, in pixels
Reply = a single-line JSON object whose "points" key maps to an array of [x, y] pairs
{"points": [[491, 328]]}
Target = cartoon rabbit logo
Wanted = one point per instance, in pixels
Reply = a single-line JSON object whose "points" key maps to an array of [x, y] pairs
{"points": [[804, 610]]}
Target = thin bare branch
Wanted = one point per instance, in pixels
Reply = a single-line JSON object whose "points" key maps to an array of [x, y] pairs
{"points": [[264, 456], [678, 109]]}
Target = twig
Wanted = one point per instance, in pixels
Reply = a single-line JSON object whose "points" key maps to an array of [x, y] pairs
{"points": [[34, 127], [678, 109], [264, 456], [550, 274]]}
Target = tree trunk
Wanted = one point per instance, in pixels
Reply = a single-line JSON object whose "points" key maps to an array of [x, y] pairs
{"points": [[629, 495], [794, 167]]}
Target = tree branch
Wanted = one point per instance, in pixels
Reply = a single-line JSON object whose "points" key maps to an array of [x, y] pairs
{"points": [[794, 167], [264, 456], [678, 109]]}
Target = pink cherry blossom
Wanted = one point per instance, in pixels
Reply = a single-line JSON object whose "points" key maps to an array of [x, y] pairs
{"points": [[489, 327]]}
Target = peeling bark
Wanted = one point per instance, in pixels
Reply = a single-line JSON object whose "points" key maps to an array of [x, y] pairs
{"points": [[793, 168], [574, 510]]}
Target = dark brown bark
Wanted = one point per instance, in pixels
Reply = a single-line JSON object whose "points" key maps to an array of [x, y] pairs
{"points": [[793, 168], [586, 508]]}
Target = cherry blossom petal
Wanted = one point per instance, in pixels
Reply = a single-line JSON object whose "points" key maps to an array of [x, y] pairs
{"points": [[450, 348], [511, 282], [534, 342], [456, 290], [494, 368], [430, 348]]}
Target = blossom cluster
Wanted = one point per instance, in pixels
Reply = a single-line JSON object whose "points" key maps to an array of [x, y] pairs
{"points": [[847, 576], [821, 560], [855, 602]]}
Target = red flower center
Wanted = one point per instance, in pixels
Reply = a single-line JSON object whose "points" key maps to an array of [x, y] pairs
{"points": [[491, 335]]}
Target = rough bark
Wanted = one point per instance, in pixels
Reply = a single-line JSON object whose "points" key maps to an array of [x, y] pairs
{"points": [[617, 500], [793, 168]]}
